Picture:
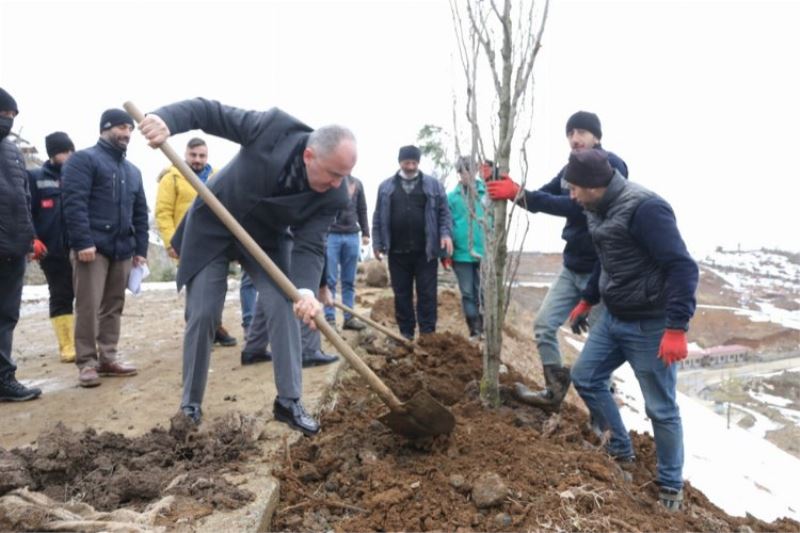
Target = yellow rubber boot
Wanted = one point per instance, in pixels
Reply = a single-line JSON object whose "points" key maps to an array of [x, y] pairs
{"points": [[64, 326]]}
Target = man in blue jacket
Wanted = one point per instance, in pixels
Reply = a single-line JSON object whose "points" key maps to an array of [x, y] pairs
{"points": [[412, 224], [50, 246], [647, 280], [579, 258], [106, 216], [16, 233]]}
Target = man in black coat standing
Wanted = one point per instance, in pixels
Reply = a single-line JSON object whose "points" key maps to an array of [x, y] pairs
{"points": [[50, 245], [16, 234], [285, 176]]}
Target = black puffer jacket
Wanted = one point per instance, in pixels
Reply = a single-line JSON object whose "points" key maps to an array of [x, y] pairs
{"points": [[16, 228], [104, 203]]}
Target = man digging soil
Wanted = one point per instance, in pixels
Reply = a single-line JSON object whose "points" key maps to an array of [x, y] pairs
{"points": [[285, 175]]}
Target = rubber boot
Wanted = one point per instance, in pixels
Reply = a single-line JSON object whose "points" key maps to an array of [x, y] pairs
{"points": [[557, 382], [64, 326], [471, 326]]}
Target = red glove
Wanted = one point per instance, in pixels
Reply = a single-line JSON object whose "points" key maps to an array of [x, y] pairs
{"points": [[673, 346], [578, 317], [447, 263], [502, 189], [39, 250]]}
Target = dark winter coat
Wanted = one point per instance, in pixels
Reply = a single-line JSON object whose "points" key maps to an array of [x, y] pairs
{"points": [[438, 223], [553, 199], [646, 271], [47, 209], [256, 189], [16, 227], [353, 218], [104, 203]]}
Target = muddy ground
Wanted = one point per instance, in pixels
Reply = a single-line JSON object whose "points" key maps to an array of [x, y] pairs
{"points": [[507, 469]]}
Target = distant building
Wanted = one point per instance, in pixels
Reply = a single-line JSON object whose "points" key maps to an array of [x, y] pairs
{"points": [[715, 357]]}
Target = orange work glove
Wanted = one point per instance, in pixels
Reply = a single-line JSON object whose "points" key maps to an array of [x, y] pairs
{"points": [[673, 346], [502, 189], [578, 317], [39, 250]]}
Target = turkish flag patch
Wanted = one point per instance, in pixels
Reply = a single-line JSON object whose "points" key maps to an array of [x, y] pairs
{"points": [[47, 203]]}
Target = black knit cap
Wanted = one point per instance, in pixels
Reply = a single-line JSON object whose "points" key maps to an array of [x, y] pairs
{"points": [[7, 102], [58, 142], [584, 120], [409, 152], [114, 117], [589, 168]]}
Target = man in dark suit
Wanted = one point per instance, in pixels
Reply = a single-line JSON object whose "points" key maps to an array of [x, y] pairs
{"points": [[286, 175]]}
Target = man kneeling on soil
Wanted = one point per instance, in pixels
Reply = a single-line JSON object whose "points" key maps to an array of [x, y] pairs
{"points": [[647, 281], [285, 175]]}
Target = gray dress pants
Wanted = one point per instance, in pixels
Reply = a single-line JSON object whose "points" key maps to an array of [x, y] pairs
{"points": [[205, 296], [258, 337]]}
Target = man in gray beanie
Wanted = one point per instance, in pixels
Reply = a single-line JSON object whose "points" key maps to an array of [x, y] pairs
{"points": [[412, 224], [15, 244], [647, 281]]}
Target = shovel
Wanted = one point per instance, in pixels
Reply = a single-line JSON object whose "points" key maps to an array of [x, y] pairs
{"points": [[380, 327], [421, 416]]}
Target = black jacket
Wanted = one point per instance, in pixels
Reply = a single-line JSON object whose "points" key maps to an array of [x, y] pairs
{"points": [[252, 188], [47, 209], [104, 203], [353, 218], [16, 227]]}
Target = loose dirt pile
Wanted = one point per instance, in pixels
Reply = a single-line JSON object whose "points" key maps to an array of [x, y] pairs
{"points": [[108, 471], [511, 468]]}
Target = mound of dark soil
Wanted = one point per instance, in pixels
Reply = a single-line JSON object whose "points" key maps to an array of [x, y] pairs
{"points": [[109, 471], [506, 469]]}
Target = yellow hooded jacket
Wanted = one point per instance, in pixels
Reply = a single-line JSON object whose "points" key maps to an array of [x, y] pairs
{"points": [[175, 196]]}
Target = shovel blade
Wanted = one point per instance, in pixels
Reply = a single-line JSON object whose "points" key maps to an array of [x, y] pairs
{"points": [[422, 416]]}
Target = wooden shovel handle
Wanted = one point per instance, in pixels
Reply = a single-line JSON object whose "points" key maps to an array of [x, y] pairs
{"points": [[272, 270], [380, 327]]}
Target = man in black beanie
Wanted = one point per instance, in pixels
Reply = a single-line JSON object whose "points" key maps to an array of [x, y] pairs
{"points": [[579, 257], [105, 211], [50, 246], [647, 281], [412, 224], [15, 243]]}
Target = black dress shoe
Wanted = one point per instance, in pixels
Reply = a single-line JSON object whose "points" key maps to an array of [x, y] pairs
{"points": [[222, 337], [319, 358], [292, 413], [251, 358]]}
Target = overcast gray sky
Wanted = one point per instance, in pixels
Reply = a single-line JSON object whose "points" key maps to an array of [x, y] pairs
{"points": [[700, 98]]}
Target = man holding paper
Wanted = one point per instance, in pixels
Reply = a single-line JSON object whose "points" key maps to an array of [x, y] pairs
{"points": [[105, 212]]}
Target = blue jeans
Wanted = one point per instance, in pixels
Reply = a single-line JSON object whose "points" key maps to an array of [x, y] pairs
{"points": [[342, 252], [468, 275], [247, 299], [562, 297], [611, 343]]}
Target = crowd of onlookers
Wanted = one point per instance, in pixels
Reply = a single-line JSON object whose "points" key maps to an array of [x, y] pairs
{"points": [[83, 215]]}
